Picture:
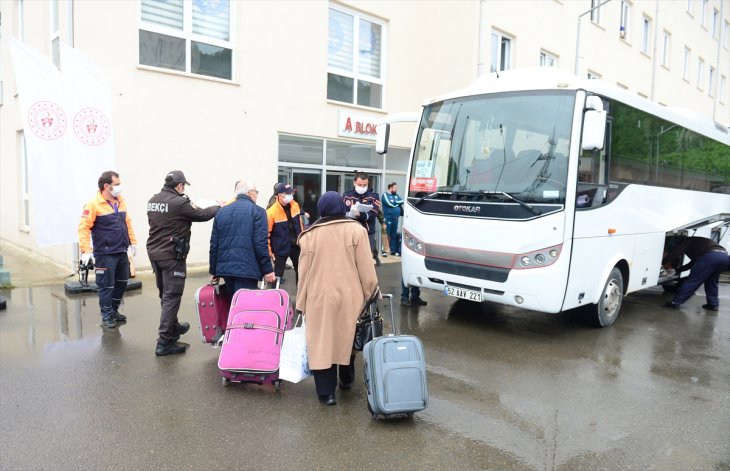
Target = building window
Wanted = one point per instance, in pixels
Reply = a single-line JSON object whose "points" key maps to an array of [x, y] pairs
{"points": [[55, 34], [645, 35], [723, 89], [711, 82], [703, 13], [715, 22], [501, 52], [593, 75], [596, 12], [548, 60], [24, 183], [666, 43], [686, 64], [187, 36], [625, 18], [21, 17], [355, 52], [700, 68]]}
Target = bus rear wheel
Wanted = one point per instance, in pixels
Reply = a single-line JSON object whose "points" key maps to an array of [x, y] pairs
{"points": [[606, 310]]}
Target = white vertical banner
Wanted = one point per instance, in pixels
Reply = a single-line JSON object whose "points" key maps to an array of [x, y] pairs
{"points": [[49, 143], [90, 121]]}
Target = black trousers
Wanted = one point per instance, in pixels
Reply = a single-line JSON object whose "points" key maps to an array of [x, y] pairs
{"points": [[326, 380], [170, 277], [112, 273], [280, 262]]}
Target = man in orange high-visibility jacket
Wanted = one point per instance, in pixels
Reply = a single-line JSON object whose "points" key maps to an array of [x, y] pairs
{"points": [[106, 235], [285, 225]]}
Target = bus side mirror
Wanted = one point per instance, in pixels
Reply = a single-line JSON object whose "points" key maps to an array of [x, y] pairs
{"points": [[382, 136], [594, 130]]}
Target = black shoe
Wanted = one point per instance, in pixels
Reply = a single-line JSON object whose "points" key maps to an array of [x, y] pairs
{"points": [[170, 349], [109, 323], [182, 328], [671, 305], [328, 400], [393, 254], [710, 307], [418, 302], [345, 386], [383, 254], [405, 302], [120, 317]]}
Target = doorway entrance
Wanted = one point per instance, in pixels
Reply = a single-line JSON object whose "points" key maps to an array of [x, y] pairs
{"points": [[308, 186]]}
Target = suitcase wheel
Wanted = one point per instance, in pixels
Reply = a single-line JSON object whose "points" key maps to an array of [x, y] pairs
{"points": [[225, 381], [277, 386]]}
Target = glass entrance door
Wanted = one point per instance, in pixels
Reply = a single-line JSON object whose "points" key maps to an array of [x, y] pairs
{"points": [[344, 181], [308, 186]]}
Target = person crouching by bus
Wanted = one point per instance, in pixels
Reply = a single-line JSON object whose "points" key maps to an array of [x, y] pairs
{"points": [[707, 260], [336, 277], [285, 224]]}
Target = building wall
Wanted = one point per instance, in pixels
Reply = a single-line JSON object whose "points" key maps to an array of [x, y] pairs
{"points": [[219, 131]]}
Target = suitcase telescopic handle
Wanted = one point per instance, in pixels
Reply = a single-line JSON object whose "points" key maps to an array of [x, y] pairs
{"points": [[392, 315]]}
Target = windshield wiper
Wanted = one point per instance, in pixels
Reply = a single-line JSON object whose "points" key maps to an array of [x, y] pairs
{"points": [[431, 195], [509, 196], [529, 207]]}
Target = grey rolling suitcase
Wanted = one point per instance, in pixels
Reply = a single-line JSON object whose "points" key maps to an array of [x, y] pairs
{"points": [[395, 373]]}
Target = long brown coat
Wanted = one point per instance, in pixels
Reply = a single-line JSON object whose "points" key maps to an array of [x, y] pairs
{"points": [[336, 277]]}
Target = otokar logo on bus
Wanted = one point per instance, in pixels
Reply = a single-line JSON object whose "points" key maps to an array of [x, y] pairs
{"points": [[459, 208]]}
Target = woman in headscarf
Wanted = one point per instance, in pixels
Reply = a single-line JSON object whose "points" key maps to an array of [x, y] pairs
{"points": [[336, 277]]}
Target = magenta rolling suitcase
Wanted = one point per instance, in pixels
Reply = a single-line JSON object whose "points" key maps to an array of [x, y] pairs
{"points": [[251, 345], [212, 301]]}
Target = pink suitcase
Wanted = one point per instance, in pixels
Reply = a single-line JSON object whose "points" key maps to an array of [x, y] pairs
{"points": [[212, 301], [251, 345]]}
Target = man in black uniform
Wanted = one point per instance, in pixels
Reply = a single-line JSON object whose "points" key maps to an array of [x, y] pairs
{"points": [[171, 214], [707, 260]]}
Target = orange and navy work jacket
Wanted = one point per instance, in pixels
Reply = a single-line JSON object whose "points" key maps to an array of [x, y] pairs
{"points": [[105, 225], [280, 235]]}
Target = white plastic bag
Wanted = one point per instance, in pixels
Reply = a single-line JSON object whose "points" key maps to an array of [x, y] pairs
{"points": [[293, 363]]}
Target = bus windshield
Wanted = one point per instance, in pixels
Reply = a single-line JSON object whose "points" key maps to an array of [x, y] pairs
{"points": [[506, 145]]}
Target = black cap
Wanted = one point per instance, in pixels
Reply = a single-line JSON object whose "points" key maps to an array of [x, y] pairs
{"points": [[283, 188], [175, 177]]}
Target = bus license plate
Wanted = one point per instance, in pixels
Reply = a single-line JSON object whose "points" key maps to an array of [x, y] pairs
{"points": [[462, 293]]}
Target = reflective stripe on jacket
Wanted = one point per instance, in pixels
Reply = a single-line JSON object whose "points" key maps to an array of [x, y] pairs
{"points": [[366, 219], [109, 231]]}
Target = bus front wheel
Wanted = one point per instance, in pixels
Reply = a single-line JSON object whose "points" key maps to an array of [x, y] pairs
{"points": [[606, 310]]}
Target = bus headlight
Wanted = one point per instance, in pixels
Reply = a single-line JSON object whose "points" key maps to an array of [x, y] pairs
{"points": [[538, 258], [414, 244]]}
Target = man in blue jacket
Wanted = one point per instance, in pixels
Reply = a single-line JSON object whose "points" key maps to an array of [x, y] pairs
{"points": [[362, 194], [239, 242], [392, 211]]}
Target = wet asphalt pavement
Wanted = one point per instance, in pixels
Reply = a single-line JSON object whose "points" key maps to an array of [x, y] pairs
{"points": [[509, 389]]}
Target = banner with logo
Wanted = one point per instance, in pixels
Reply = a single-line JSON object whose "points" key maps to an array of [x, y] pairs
{"points": [[90, 110], [49, 145], [66, 119]]}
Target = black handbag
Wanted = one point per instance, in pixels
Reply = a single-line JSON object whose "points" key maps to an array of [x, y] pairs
{"points": [[369, 323]]}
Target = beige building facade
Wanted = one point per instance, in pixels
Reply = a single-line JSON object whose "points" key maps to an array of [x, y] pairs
{"points": [[291, 90]]}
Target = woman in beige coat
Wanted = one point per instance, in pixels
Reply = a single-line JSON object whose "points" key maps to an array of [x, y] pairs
{"points": [[336, 277]]}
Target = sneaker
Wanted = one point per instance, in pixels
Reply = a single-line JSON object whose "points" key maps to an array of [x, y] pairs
{"points": [[383, 254], [397, 254], [710, 307], [182, 328], [418, 302], [120, 317], [109, 323], [170, 349], [394, 253], [671, 305], [405, 302]]}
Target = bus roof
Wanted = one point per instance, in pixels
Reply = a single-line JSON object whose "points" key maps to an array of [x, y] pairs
{"points": [[551, 78]]}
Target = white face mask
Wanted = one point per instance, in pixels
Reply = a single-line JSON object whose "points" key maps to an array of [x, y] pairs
{"points": [[361, 190], [288, 199], [116, 190]]}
